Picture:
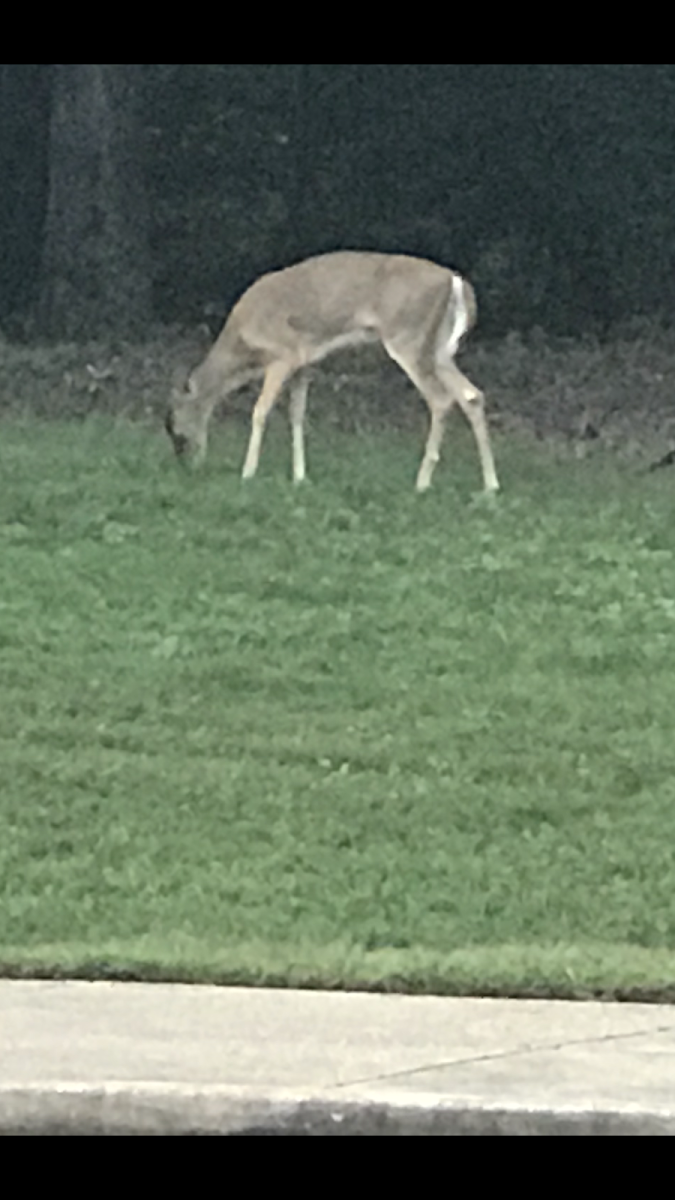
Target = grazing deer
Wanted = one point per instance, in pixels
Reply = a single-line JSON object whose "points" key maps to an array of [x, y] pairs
{"points": [[289, 319]]}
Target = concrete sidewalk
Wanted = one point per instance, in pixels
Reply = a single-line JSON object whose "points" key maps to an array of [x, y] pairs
{"points": [[137, 1058]]}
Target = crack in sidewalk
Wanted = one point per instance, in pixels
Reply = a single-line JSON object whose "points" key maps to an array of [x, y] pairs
{"points": [[497, 1055]]}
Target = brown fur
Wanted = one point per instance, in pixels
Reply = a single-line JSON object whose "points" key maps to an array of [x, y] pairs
{"points": [[289, 319]]}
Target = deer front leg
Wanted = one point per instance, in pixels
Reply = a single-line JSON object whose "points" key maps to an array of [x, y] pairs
{"points": [[275, 377], [296, 412]]}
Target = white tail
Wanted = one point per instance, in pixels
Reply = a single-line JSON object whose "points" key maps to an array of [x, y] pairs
{"points": [[287, 320]]}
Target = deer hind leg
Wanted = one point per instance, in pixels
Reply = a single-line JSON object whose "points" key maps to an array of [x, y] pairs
{"points": [[296, 412], [432, 450], [472, 404], [439, 401], [275, 377]]}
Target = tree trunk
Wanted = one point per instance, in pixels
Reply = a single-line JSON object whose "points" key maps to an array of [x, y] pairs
{"points": [[24, 115], [96, 262]]}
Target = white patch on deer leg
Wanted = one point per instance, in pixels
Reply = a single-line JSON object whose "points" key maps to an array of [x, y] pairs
{"points": [[297, 408], [253, 452], [275, 378], [431, 452], [475, 414], [298, 454]]}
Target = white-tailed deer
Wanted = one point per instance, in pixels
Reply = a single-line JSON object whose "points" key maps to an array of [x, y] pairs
{"points": [[289, 319]]}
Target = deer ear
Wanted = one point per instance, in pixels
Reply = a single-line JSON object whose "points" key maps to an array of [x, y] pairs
{"points": [[178, 381], [183, 389]]}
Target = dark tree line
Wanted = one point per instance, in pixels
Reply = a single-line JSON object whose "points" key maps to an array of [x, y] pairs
{"points": [[133, 193]]}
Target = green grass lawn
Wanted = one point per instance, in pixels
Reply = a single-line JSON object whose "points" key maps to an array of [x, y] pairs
{"points": [[342, 734]]}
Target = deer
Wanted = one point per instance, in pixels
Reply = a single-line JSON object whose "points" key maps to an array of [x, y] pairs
{"points": [[289, 319]]}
